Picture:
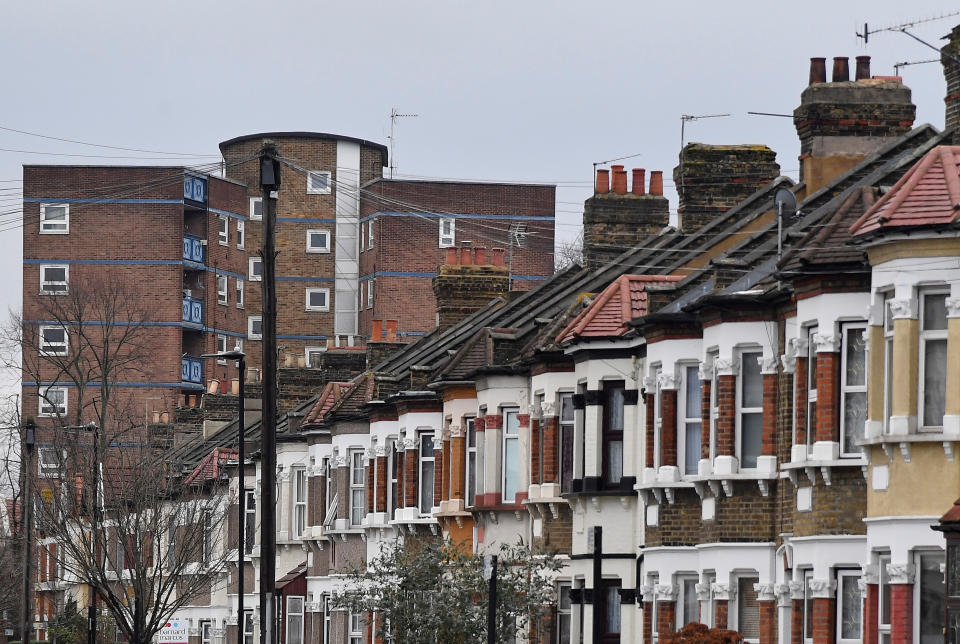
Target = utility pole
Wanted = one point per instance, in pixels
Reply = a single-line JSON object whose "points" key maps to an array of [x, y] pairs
{"points": [[269, 184], [394, 115], [30, 440]]}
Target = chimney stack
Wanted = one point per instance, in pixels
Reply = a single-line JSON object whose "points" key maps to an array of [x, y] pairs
{"points": [[949, 55], [841, 69], [603, 182], [464, 288], [863, 67], [818, 70], [639, 179]]}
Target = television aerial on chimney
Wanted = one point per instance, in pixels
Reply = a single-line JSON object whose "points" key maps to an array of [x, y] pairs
{"points": [[785, 205]]}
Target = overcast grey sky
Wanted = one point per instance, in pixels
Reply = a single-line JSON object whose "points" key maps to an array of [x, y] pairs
{"points": [[504, 90]]}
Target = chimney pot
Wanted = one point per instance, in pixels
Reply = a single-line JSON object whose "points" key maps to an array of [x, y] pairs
{"points": [[465, 256], [391, 330], [619, 179], [863, 67], [376, 335], [451, 256], [656, 183], [818, 70], [497, 256], [603, 182], [480, 255], [639, 181], [841, 69]]}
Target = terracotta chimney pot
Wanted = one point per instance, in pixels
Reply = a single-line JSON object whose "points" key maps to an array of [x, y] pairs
{"points": [[863, 67], [451, 259], [619, 180], [496, 258], [391, 330], [639, 181], [480, 255], [603, 182], [841, 69], [656, 183], [377, 333], [466, 256], [818, 70]]}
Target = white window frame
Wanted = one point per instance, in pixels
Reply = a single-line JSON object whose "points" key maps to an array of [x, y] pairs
{"points": [[363, 236], [311, 190], [248, 632], [239, 292], [470, 496], [507, 437], [370, 294], [657, 369], [52, 226], [223, 297], [916, 561], [392, 488], [845, 387], [44, 282], [887, 361], [682, 619], [684, 418], [737, 604], [564, 612], [52, 410], [54, 348], [358, 487], [653, 579], [299, 496], [355, 621], [292, 600], [712, 358], [806, 630], [426, 457], [325, 248], [841, 574], [252, 275], [250, 518], [706, 606], [326, 297], [223, 230], [309, 351], [206, 636], [565, 427], [924, 337], [370, 234], [743, 411], [251, 335], [254, 202], [450, 238], [883, 628], [241, 233], [44, 467], [221, 347], [810, 332]]}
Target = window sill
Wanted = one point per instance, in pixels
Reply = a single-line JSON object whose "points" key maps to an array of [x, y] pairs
{"points": [[716, 475], [411, 519], [318, 251], [825, 457], [889, 442]]}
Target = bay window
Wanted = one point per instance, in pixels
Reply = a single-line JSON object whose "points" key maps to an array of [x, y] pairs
{"points": [[358, 487], [748, 608], [849, 607], [471, 461], [712, 358], [538, 414], [807, 606], [933, 360], [883, 614], [356, 628], [511, 455], [566, 429], [887, 362], [612, 432], [294, 626], [563, 613], [299, 501], [692, 421], [750, 417], [392, 490], [853, 387], [931, 597], [688, 604], [250, 521], [811, 424], [427, 472], [609, 610]]}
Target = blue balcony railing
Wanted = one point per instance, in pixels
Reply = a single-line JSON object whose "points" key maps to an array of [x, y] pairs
{"points": [[194, 249], [192, 310], [191, 370]]}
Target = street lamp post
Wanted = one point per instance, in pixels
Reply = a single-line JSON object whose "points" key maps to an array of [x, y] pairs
{"points": [[240, 357]]}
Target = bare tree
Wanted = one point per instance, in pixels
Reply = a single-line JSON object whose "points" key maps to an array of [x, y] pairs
{"points": [[569, 253], [147, 544]]}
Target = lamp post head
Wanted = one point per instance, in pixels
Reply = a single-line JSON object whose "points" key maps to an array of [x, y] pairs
{"points": [[236, 354]]}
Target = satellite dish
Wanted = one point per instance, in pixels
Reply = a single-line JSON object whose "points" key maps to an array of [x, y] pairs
{"points": [[785, 202]]}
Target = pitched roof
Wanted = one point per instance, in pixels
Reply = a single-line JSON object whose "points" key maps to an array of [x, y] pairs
{"points": [[927, 195], [331, 393], [607, 316], [209, 467]]}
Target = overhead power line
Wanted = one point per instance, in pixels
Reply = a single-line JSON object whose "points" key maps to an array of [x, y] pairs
{"points": [[100, 145]]}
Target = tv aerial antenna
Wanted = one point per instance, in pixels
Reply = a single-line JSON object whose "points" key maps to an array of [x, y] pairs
{"points": [[903, 27], [785, 205], [907, 63], [684, 119], [394, 115]]}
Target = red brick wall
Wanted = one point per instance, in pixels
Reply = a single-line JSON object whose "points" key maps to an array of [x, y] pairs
{"points": [[901, 613], [410, 479], [828, 387], [720, 608], [371, 491], [769, 438], [666, 617], [705, 418], [726, 415], [535, 474], [381, 464], [871, 614], [796, 622], [824, 619], [649, 431], [550, 435], [800, 404], [438, 473], [668, 427], [768, 622], [647, 622]]}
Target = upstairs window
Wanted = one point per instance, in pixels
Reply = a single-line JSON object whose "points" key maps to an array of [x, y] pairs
{"points": [[256, 208], [887, 362], [54, 279], [250, 522], [53, 401], [612, 437], [471, 462], [933, 360], [54, 219], [811, 387], [221, 347], [255, 327], [448, 232], [511, 455], [256, 269], [239, 293], [53, 340], [357, 487], [751, 408], [222, 297], [370, 294], [691, 420], [223, 230], [299, 501], [392, 467], [567, 416], [318, 299], [712, 359], [318, 241], [318, 182], [853, 388], [427, 473], [241, 229], [370, 234]]}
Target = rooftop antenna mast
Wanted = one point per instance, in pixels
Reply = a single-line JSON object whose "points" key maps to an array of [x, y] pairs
{"points": [[906, 63], [902, 27], [394, 115], [684, 118], [593, 179]]}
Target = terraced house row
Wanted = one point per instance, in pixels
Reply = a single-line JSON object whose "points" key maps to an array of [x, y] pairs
{"points": [[748, 418]]}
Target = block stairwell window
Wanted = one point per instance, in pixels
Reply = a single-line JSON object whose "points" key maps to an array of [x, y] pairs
{"points": [[750, 417], [256, 208], [471, 460], [318, 299], [54, 219], [53, 340], [427, 472], [255, 327], [255, 273], [853, 387], [811, 428], [223, 230], [612, 433], [299, 501], [241, 229], [510, 479], [691, 419], [448, 232], [318, 241], [222, 297], [54, 279], [933, 360], [318, 182], [567, 416], [358, 488], [221, 347], [53, 401], [370, 234], [370, 293], [239, 293]]}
